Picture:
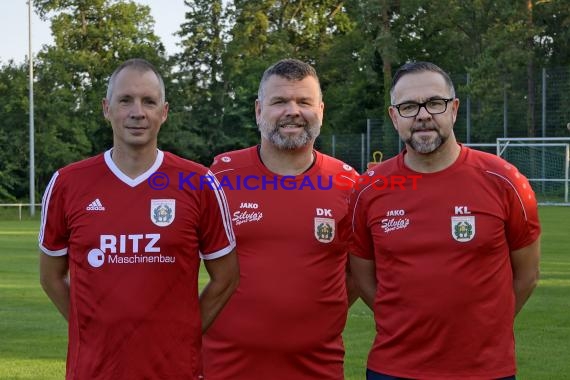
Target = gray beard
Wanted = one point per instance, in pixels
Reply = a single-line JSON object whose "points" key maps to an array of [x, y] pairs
{"points": [[272, 133], [426, 145]]}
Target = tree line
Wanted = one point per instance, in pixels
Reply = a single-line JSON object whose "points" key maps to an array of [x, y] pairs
{"points": [[225, 46]]}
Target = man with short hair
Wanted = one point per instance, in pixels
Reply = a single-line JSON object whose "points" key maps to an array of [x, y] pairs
{"points": [[445, 265], [291, 221], [120, 260]]}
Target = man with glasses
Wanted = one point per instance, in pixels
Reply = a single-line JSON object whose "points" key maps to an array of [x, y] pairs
{"points": [[445, 265]]}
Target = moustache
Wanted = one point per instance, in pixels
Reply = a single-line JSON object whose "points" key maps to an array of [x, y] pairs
{"points": [[423, 127], [291, 122]]}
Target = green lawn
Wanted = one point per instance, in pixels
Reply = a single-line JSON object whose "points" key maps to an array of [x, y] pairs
{"points": [[33, 334]]}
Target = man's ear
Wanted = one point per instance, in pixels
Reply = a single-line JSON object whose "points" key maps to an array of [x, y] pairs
{"points": [[455, 109], [257, 110], [393, 112], [165, 112]]}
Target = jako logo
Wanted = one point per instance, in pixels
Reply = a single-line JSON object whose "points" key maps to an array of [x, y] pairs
{"points": [[249, 205]]}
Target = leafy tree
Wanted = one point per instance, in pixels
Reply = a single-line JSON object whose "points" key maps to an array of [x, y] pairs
{"points": [[14, 135], [199, 84], [212, 84], [266, 31], [552, 46], [91, 39], [499, 65], [487, 39]]}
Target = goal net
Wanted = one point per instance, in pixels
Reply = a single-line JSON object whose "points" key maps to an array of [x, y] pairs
{"points": [[544, 161]]}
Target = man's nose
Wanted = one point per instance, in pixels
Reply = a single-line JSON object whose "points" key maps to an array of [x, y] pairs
{"points": [[137, 110], [293, 108]]}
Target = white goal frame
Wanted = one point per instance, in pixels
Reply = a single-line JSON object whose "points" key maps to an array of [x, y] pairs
{"points": [[542, 142], [21, 206]]}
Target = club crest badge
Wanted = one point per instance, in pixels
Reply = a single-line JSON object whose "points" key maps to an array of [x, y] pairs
{"points": [[162, 211], [324, 229], [463, 228]]}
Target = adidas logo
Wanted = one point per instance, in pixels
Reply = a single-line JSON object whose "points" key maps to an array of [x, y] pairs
{"points": [[96, 205]]}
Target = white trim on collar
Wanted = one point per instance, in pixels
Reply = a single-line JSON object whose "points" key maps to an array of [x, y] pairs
{"points": [[132, 182]]}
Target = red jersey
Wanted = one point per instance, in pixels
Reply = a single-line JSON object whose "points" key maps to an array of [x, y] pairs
{"points": [[134, 254], [285, 319], [444, 305]]}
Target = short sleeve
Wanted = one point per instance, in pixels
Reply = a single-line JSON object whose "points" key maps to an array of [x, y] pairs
{"points": [[54, 234], [216, 234], [522, 225]]}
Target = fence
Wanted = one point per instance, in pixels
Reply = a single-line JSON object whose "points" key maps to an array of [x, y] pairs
{"points": [[357, 149], [23, 209], [544, 161], [509, 109], [506, 109]]}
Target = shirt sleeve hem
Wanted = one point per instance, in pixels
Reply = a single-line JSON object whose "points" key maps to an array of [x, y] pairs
{"points": [[49, 252], [530, 238], [361, 255], [218, 254]]}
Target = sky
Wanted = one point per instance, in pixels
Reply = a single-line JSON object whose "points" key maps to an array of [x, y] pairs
{"points": [[167, 14]]}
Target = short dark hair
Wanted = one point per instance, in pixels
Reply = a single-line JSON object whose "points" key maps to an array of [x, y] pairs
{"points": [[137, 64], [418, 67], [290, 69]]}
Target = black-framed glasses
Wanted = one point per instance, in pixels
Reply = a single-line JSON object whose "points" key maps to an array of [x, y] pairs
{"points": [[412, 109]]}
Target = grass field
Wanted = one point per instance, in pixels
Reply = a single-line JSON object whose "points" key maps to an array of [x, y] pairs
{"points": [[33, 335]]}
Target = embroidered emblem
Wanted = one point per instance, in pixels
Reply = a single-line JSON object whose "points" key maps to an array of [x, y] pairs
{"points": [[324, 229], [463, 228], [162, 211]]}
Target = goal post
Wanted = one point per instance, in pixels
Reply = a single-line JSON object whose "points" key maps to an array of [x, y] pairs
{"points": [[544, 161]]}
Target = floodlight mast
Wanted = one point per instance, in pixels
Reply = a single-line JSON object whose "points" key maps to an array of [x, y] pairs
{"points": [[32, 148]]}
